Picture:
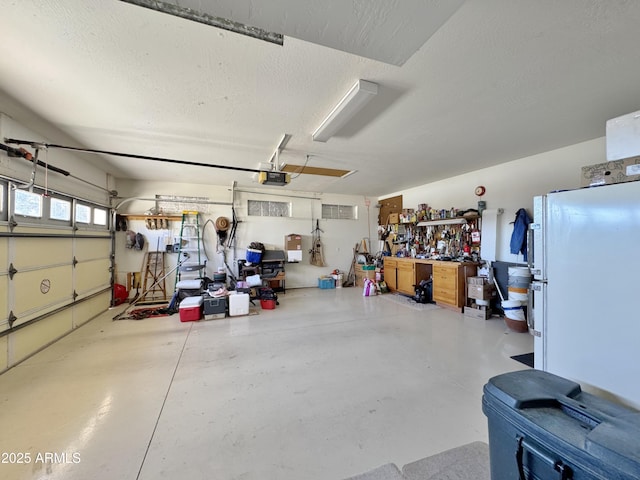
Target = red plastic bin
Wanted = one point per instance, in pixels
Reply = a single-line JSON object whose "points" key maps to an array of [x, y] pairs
{"points": [[268, 304]]}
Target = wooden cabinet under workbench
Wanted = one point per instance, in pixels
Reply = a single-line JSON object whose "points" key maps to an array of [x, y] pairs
{"points": [[450, 282], [406, 276], [390, 273], [449, 278]]}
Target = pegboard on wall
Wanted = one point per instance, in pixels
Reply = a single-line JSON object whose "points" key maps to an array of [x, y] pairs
{"points": [[388, 206]]}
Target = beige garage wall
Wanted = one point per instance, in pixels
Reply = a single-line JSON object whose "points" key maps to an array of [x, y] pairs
{"points": [[339, 236], [510, 186]]}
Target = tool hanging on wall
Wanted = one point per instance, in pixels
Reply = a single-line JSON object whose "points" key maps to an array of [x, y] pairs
{"points": [[316, 249], [222, 227]]}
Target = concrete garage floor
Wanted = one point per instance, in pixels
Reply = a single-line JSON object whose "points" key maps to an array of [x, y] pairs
{"points": [[328, 385]]}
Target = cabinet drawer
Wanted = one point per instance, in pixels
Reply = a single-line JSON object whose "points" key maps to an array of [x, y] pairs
{"points": [[445, 295], [390, 262], [449, 269], [405, 266], [446, 281]]}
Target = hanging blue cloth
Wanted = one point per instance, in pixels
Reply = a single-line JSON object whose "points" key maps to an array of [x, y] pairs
{"points": [[519, 235]]}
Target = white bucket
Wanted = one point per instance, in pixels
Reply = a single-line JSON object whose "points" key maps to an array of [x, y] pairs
{"points": [[519, 280], [513, 309]]}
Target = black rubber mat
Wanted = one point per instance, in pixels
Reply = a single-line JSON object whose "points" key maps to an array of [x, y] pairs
{"points": [[526, 358]]}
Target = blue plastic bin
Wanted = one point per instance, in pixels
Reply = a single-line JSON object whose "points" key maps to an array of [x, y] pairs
{"points": [[324, 282], [253, 256]]}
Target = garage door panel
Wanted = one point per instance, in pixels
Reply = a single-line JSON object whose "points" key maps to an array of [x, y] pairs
{"points": [[4, 308], [4, 254], [91, 248], [4, 346], [35, 252], [85, 311], [32, 294], [92, 275], [25, 341], [22, 228]]}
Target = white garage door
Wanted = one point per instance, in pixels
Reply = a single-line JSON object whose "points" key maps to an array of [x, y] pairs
{"points": [[55, 254]]}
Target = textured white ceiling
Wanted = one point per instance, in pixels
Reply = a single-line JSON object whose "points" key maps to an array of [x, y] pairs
{"points": [[386, 30], [500, 80]]}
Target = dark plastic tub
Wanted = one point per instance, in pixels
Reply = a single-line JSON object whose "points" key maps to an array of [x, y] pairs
{"points": [[542, 426]]}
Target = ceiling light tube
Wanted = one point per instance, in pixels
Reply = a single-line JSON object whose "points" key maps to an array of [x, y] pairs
{"points": [[359, 95]]}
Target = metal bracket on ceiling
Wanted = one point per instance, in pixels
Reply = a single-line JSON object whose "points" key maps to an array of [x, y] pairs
{"points": [[275, 157]]}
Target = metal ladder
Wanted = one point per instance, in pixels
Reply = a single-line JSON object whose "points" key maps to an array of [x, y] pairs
{"points": [[191, 259]]}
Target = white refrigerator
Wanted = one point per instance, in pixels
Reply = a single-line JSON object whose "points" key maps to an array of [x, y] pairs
{"points": [[584, 303]]}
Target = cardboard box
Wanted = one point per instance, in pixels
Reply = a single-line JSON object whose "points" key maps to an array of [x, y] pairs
{"points": [[363, 272], [477, 313], [481, 292], [293, 241], [616, 171], [394, 218], [476, 280], [294, 255]]}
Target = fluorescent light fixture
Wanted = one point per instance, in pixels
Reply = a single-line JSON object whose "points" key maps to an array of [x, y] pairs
{"points": [[351, 103]]}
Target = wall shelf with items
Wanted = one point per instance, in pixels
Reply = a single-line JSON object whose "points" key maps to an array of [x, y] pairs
{"points": [[454, 237], [154, 222], [144, 217], [444, 221]]}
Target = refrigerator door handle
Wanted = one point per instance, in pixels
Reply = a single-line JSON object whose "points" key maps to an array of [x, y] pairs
{"points": [[532, 258], [530, 251], [530, 321], [536, 238], [532, 307]]}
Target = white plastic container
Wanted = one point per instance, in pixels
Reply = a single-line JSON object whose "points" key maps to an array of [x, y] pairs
{"points": [[513, 310], [238, 304], [519, 280]]}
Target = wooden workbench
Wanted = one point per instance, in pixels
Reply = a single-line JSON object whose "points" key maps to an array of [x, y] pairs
{"points": [[449, 278]]}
